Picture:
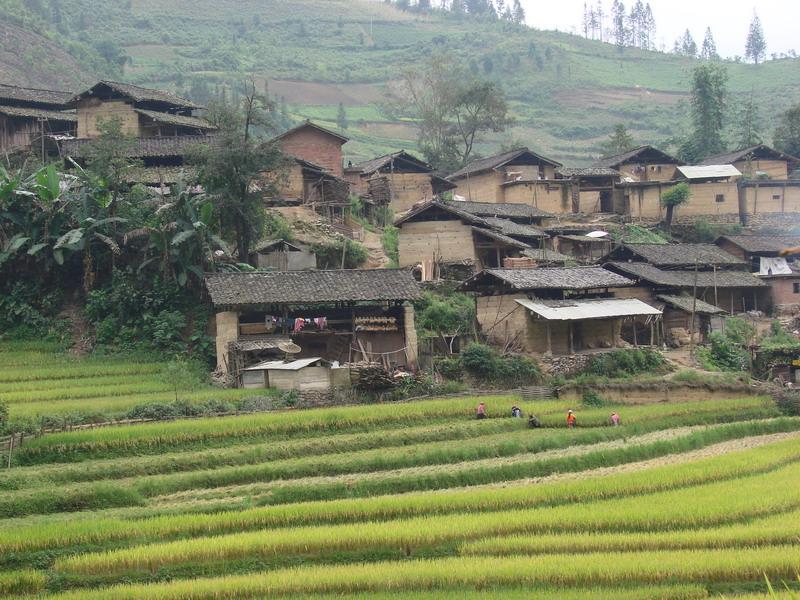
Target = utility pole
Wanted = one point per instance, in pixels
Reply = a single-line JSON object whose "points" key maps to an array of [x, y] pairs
{"points": [[694, 309]]}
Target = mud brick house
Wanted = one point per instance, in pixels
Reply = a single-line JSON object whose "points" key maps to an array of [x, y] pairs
{"points": [[311, 184], [677, 319], [591, 188], [757, 162], [283, 256], [397, 181], [438, 235], [558, 311], [519, 176], [315, 144], [339, 316], [642, 164], [34, 120], [677, 256], [763, 255]]}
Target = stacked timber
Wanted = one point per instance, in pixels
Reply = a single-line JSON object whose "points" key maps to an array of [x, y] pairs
{"points": [[380, 190], [370, 376], [523, 262]]}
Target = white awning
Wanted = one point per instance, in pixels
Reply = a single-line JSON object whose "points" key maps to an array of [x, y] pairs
{"points": [[576, 310], [776, 265], [279, 365], [709, 171]]}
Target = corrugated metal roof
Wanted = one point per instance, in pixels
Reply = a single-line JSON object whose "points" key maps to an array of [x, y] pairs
{"points": [[709, 171], [279, 365], [577, 310]]}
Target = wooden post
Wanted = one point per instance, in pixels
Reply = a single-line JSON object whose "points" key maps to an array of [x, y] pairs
{"points": [[694, 309], [571, 338], [635, 340], [549, 339], [613, 333], [10, 449], [652, 333]]}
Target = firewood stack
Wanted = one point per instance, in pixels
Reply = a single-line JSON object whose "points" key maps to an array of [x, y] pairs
{"points": [[375, 323], [370, 376], [380, 190]]}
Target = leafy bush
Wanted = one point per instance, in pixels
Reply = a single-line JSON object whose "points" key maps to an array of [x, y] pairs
{"points": [[276, 227], [390, 240], [479, 360], [592, 398], [484, 363], [723, 354], [444, 312], [329, 256], [624, 363], [27, 311], [450, 368], [788, 400]]}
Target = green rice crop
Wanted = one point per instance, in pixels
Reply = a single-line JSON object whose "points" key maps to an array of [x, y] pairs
{"points": [[476, 500], [606, 569], [55, 384], [69, 373], [769, 531], [71, 392], [21, 582], [155, 438], [703, 505]]}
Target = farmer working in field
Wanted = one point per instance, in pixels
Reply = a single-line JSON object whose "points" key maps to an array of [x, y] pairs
{"points": [[481, 412], [614, 419], [572, 420]]}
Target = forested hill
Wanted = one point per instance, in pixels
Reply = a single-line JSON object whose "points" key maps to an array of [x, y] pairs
{"points": [[566, 92]]}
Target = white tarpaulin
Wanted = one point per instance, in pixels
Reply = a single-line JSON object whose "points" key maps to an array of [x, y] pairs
{"points": [[774, 266], [576, 310]]}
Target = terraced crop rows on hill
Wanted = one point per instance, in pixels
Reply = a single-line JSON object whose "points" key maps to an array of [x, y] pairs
{"points": [[406, 500]]}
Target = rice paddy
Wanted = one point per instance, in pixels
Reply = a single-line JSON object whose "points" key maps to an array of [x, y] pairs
{"points": [[412, 500]]}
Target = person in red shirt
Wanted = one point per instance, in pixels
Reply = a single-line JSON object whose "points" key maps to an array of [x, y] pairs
{"points": [[481, 413], [572, 420]]}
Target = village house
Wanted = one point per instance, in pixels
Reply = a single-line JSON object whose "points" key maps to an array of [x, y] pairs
{"points": [[642, 164], [342, 316], [757, 162], [519, 176], [591, 188], [475, 235], [557, 310], [283, 256], [315, 144], [34, 120], [763, 255], [678, 321], [397, 181]]}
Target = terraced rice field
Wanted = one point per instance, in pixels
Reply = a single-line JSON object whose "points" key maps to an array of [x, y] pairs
{"points": [[39, 381], [410, 500]]}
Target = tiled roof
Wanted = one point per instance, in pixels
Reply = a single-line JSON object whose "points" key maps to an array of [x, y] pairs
{"points": [[507, 227], [687, 304], [499, 237], [170, 119], [756, 244], [678, 255], [34, 96], [139, 94], [230, 290], [370, 166], [309, 124], [632, 155], [498, 160], [143, 147], [38, 113], [544, 255], [761, 151], [503, 210], [686, 278], [567, 278], [161, 175], [587, 172]]}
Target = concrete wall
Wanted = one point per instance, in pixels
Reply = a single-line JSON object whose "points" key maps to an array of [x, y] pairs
{"points": [[92, 112], [316, 147], [227, 330], [448, 241]]}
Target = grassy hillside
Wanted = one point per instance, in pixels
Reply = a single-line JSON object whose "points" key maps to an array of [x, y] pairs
{"points": [[566, 92]]}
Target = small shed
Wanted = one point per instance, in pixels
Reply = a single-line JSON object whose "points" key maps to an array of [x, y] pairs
{"points": [[302, 374], [678, 318], [284, 256]]}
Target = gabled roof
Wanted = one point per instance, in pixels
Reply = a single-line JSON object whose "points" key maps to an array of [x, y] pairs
{"points": [[499, 237], [147, 147], [503, 210], [647, 154], [272, 244], [137, 94], [587, 172], [309, 125], [494, 162], [762, 244], [760, 151], [307, 288], [34, 96], [397, 160], [676, 255], [180, 120], [709, 171], [578, 310], [686, 278], [507, 227], [687, 304], [566, 278], [38, 113]]}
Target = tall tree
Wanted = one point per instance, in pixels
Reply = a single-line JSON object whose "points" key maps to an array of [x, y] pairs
{"points": [[756, 46], [749, 123], [518, 13], [650, 26], [787, 133], [708, 106], [451, 108], [341, 117], [241, 167], [618, 142], [685, 45], [619, 27], [708, 51]]}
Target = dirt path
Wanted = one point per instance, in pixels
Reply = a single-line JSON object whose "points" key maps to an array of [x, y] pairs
{"points": [[377, 258]]}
